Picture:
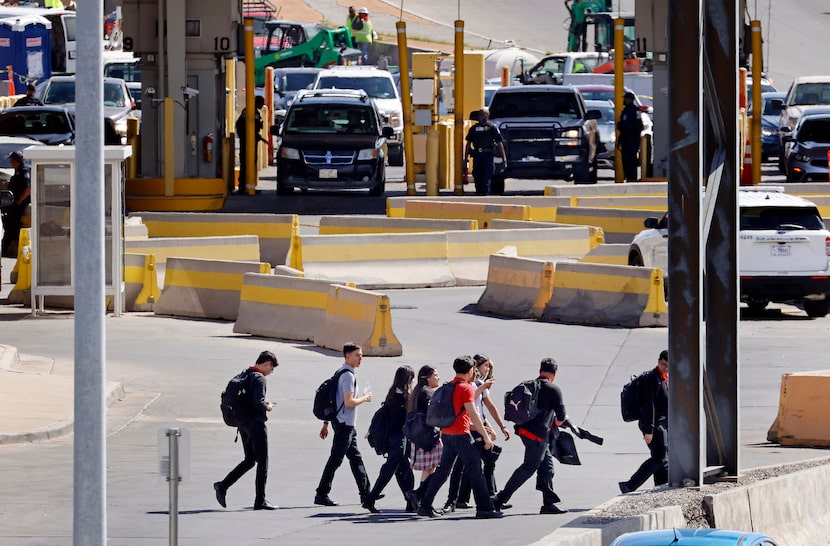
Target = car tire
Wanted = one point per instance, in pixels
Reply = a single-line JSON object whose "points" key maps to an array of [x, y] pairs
{"points": [[396, 156], [378, 189], [817, 308], [757, 305], [582, 175], [635, 259], [497, 185], [282, 189]]}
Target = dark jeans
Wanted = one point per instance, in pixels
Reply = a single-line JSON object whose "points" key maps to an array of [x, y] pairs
{"points": [[397, 464], [344, 445], [460, 488], [242, 170], [12, 222], [628, 152], [483, 172], [459, 446], [537, 459], [657, 464], [254, 435]]}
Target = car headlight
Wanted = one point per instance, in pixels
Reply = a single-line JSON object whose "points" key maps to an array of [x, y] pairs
{"points": [[289, 153], [769, 132], [801, 157], [368, 153], [569, 133], [395, 119], [121, 126]]}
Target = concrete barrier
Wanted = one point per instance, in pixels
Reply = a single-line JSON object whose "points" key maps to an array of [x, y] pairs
{"points": [[274, 231], [344, 225], [803, 410], [362, 317], [629, 188], [542, 208], [469, 251], [618, 225], [597, 236], [608, 295], [281, 306], [607, 254], [629, 202], [204, 288], [141, 289], [373, 260], [516, 287], [482, 212], [134, 229]]}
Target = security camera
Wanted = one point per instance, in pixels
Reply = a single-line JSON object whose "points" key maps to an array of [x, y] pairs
{"points": [[189, 92], [151, 91]]}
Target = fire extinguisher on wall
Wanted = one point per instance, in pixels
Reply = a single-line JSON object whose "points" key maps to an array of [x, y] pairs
{"points": [[207, 148]]}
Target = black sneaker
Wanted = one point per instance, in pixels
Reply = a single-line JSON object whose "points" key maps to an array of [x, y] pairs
{"points": [[265, 505], [552, 509], [220, 493], [461, 505], [488, 514], [324, 500], [428, 512]]}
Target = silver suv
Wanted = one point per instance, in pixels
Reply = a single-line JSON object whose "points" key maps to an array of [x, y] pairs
{"points": [[783, 249]]}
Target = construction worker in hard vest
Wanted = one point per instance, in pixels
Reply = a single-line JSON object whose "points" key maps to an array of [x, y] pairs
{"points": [[363, 32], [350, 19]]}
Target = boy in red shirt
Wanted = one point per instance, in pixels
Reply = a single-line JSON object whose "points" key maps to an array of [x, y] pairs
{"points": [[459, 443]]}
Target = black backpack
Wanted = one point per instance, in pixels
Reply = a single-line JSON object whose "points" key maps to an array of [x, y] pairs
{"points": [[325, 399], [522, 403], [235, 400], [441, 412], [357, 23], [419, 432], [631, 397], [379, 430]]}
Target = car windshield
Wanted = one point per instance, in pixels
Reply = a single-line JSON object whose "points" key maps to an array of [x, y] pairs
{"points": [[114, 95], [296, 81], [375, 86], [59, 92], [331, 119], [529, 105], [812, 93], [772, 107], [780, 218], [33, 123], [127, 71], [815, 130]]}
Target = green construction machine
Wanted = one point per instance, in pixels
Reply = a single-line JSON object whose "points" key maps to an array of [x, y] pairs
{"points": [[291, 44], [580, 11]]}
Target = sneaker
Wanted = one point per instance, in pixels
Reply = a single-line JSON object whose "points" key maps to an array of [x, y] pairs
{"points": [[428, 512], [624, 488], [552, 509], [220, 493], [370, 506], [265, 505], [488, 514], [461, 505], [324, 500]]}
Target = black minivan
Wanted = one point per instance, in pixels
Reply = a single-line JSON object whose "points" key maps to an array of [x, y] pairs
{"points": [[332, 139]]}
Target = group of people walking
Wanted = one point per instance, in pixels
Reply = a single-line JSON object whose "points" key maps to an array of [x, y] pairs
{"points": [[463, 453]]}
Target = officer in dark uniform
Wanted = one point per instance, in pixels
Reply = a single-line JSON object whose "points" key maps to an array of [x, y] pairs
{"points": [[483, 139], [630, 126], [20, 186], [29, 99]]}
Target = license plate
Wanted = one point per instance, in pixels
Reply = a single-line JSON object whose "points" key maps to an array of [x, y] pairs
{"points": [[328, 173], [781, 250]]}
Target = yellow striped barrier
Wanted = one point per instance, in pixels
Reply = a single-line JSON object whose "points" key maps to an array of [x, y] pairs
{"points": [[204, 288], [281, 306], [631, 202], [597, 236], [373, 260], [629, 188], [517, 287], [350, 225], [610, 254], [362, 317], [482, 212], [618, 225], [469, 251], [803, 410], [141, 288], [240, 248], [608, 295], [275, 231], [542, 208]]}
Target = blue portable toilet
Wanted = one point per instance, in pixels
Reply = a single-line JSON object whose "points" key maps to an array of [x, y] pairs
{"points": [[25, 45]]}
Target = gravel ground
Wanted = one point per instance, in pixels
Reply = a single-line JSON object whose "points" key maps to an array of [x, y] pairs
{"points": [[690, 498]]}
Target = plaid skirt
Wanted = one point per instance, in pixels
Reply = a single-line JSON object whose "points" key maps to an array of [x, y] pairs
{"points": [[426, 460]]}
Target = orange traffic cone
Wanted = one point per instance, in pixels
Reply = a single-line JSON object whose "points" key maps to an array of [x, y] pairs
{"points": [[746, 168]]}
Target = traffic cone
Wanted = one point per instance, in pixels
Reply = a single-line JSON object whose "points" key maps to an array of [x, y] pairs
{"points": [[746, 168]]}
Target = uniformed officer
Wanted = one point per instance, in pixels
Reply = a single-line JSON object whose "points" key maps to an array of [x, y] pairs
{"points": [[629, 126], [483, 139]]}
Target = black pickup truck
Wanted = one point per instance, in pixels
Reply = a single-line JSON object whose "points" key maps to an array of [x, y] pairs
{"points": [[548, 133]]}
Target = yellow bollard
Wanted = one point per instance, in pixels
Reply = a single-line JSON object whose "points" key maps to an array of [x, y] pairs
{"points": [[431, 167]]}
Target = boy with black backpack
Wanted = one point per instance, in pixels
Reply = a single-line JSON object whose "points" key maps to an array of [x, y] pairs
{"points": [[654, 424], [535, 434], [248, 406]]}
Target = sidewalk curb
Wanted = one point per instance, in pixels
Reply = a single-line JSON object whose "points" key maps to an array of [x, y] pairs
{"points": [[9, 358]]}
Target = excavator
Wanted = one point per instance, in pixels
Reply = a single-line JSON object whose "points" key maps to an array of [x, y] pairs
{"points": [[293, 43]]}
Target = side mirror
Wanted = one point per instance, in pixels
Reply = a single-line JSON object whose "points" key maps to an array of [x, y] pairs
{"points": [[593, 114], [6, 198], [777, 104], [388, 131], [787, 138], [651, 223]]}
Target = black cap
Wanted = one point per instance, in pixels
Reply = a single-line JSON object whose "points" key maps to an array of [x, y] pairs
{"points": [[629, 95], [18, 155], [30, 87]]}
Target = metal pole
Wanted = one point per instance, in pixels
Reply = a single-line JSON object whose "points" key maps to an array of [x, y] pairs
{"points": [[250, 115], [406, 99], [89, 451], [458, 131], [755, 132], [619, 83], [173, 480]]}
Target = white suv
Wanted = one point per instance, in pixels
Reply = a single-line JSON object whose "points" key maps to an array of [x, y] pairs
{"points": [[381, 88], [783, 249]]}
